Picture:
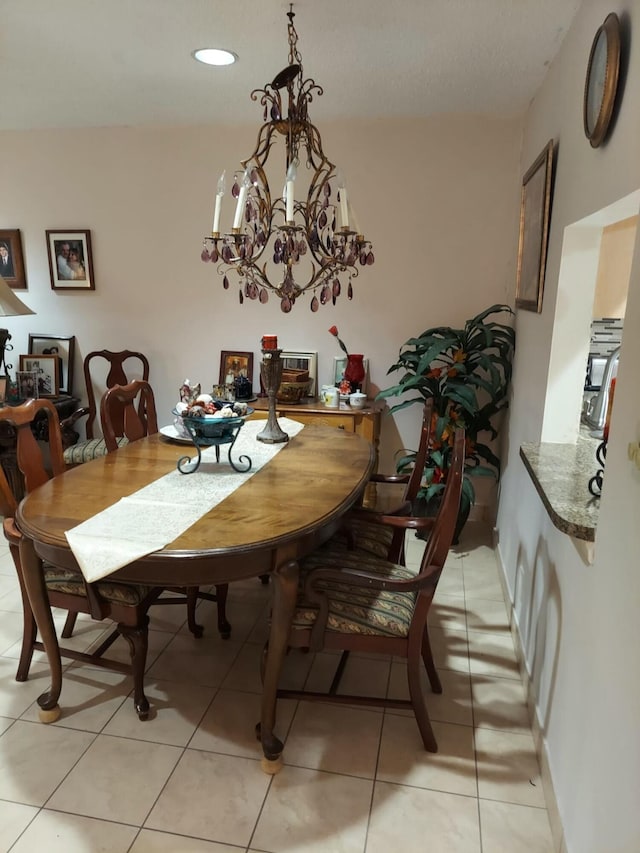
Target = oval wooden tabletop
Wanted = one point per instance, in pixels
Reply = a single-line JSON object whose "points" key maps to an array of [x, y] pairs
{"points": [[311, 481]]}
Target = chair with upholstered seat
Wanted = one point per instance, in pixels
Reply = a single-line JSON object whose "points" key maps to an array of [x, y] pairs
{"points": [[355, 601], [131, 410], [120, 368], [125, 604], [388, 494]]}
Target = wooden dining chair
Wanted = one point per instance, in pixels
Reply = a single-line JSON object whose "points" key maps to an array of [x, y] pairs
{"points": [[352, 600], [102, 370], [389, 494], [129, 411], [124, 604]]}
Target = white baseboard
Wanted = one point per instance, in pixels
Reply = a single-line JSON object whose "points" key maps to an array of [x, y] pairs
{"points": [[555, 822]]}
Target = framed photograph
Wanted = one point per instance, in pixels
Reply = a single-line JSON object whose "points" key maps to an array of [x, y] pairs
{"points": [[234, 364], [70, 260], [535, 207], [45, 368], [303, 361], [64, 348], [27, 384], [340, 364], [11, 259]]}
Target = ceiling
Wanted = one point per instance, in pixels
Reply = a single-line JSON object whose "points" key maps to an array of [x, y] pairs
{"points": [[77, 63]]}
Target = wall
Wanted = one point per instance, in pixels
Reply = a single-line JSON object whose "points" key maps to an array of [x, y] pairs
{"points": [[438, 198], [614, 268], [579, 624]]}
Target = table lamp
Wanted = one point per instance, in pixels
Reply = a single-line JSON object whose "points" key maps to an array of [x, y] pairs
{"points": [[10, 306]]}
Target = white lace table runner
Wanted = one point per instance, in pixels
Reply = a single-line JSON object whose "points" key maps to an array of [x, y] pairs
{"points": [[154, 516]]}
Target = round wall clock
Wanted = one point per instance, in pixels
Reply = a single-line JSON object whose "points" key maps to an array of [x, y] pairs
{"points": [[602, 80]]}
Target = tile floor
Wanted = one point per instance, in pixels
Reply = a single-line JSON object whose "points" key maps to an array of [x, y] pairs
{"points": [[355, 780]]}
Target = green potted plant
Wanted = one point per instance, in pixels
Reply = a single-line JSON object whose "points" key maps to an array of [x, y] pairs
{"points": [[467, 373]]}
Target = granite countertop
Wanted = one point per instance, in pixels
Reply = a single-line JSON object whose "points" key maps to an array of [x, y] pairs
{"points": [[561, 474]]}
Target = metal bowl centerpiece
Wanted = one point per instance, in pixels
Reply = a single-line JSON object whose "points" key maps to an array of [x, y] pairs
{"points": [[212, 430]]}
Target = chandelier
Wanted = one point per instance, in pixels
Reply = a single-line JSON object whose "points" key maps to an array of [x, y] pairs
{"points": [[281, 244]]}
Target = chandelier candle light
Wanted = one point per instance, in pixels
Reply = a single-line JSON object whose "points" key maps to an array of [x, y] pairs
{"points": [[273, 235]]}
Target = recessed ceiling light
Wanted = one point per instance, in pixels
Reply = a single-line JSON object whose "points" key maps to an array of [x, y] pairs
{"points": [[214, 56]]}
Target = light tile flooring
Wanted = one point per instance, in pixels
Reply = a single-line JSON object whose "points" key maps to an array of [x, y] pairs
{"points": [[354, 781]]}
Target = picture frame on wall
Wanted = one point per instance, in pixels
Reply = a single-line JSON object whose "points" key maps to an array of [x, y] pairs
{"points": [[64, 348], [45, 369], [233, 364], [27, 384], [535, 210], [12, 259], [70, 260]]}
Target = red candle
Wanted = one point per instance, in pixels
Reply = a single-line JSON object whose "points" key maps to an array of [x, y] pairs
{"points": [[269, 342]]}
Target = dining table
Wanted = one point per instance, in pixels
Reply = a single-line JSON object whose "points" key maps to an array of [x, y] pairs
{"points": [[276, 516]]}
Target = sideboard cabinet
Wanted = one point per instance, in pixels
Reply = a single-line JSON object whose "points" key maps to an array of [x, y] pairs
{"points": [[364, 422]]}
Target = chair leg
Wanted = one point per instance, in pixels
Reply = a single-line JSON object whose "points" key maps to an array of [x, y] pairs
{"points": [[192, 599], [221, 597], [419, 705], [138, 638], [429, 665], [69, 625], [29, 634], [263, 662], [337, 678]]}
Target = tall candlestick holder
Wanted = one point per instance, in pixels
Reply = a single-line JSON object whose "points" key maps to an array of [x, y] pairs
{"points": [[271, 374]]}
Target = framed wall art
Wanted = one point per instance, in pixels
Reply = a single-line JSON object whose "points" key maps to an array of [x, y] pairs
{"points": [[11, 259], [601, 82], [70, 260], [234, 364], [64, 349], [535, 209], [45, 369]]}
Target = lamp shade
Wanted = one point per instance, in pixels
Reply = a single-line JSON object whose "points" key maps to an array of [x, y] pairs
{"points": [[10, 305]]}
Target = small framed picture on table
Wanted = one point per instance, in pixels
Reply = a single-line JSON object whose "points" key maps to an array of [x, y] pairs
{"points": [[27, 384], [45, 368], [234, 364], [64, 349], [339, 367], [303, 361]]}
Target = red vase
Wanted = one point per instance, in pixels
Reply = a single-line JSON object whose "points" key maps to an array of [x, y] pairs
{"points": [[354, 371]]}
